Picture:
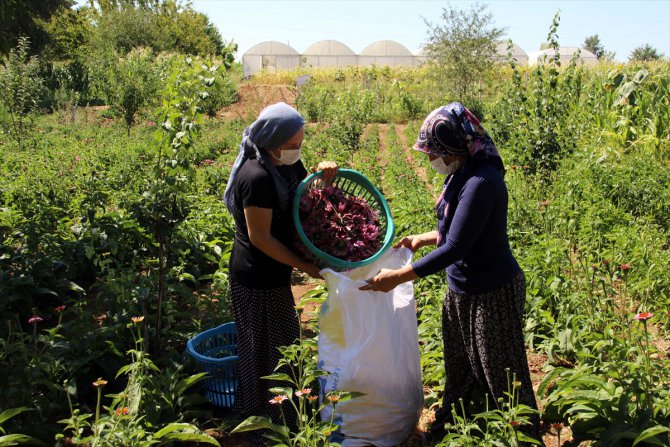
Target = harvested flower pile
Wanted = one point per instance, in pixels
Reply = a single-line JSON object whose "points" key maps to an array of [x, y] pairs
{"points": [[343, 226]]}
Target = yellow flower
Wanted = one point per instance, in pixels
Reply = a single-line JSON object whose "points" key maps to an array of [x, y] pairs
{"points": [[137, 320], [100, 382]]}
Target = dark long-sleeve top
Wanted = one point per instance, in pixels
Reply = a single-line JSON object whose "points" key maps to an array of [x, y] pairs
{"points": [[474, 249]]}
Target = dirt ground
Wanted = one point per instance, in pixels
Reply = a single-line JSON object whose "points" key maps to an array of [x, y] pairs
{"points": [[253, 98]]}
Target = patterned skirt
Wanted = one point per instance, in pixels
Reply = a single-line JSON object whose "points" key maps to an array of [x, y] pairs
{"points": [[265, 320], [483, 339]]}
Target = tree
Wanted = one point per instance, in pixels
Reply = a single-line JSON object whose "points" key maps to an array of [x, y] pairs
{"points": [[645, 53], [163, 26], [464, 44], [20, 88], [593, 44], [26, 18], [131, 84], [69, 31]]}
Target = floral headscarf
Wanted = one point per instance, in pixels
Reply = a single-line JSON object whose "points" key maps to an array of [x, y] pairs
{"points": [[275, 125], [453, 130]]}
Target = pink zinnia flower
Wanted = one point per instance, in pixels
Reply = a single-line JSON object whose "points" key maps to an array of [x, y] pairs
{"points": [[303, 392], [35, 319], [643, 316], [60, 309], [277, 400]]}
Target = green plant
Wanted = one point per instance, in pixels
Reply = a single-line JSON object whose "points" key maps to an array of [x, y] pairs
{"points": [[131, 84], [7, 440], [165, 201], [503, 425], [20, 89], [123, 423]]}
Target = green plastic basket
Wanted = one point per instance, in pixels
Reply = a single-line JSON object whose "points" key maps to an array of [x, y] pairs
{"points": [[353, 184]]}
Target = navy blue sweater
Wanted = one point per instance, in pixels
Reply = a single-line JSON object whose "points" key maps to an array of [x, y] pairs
{"points": [[476, 250]]}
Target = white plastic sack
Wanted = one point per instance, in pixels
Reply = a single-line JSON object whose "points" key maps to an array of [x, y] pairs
{"points": [[369, 343]]}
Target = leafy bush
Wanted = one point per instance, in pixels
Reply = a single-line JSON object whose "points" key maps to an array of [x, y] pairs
{"points": [[20, 90]]}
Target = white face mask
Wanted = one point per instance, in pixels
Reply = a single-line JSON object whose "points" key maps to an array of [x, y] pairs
{"points": [[289, 156], [445, 169]]}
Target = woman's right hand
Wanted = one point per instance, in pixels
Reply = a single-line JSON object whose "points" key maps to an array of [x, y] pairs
{"points": [[417, 241], [412, 242]]}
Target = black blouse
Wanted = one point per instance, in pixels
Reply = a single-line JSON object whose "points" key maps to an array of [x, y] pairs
{"points": [[254, 187]]}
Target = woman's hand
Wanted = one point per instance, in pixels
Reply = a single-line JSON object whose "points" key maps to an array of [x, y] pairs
{"points": [[385, 281], [312, 270], [329, 169], [416, 241]]}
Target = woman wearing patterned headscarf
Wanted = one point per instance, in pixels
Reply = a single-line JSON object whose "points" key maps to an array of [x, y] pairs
{"points": [[482, 315], [258, 194]]}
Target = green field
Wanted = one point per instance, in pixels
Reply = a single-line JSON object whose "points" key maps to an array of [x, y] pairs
{"points": [[101, 222]]}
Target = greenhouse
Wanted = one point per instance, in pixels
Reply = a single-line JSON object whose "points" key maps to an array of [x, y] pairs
{"points": [[328, 53], [386, 52], [271, 56], [566, 54], [517, 52]]}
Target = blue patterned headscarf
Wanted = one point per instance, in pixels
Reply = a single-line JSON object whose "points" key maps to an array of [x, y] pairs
{"points": [[275, 125]]}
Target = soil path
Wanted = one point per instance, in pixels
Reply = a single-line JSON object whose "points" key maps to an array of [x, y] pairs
{"points": [[382, 154], [419, 170]]}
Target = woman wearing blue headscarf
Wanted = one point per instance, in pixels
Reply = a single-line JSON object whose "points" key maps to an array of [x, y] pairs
{"points": [[259, 194], [482, 314]]}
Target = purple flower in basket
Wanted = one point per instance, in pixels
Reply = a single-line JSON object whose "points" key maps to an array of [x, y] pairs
{"points": [[343, 226]]}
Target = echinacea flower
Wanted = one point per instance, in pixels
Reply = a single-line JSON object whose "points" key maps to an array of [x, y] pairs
{"points": [[333, 398], [60, 309], [624, 267], [312, 398], [35, 319], [100, 382], [515, 423], [643, 316], [137, 320], [122, 410], [343, 226]]}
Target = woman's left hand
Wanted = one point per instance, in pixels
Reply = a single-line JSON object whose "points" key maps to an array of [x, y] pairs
{"points": [[385, 281], [329, 169]]}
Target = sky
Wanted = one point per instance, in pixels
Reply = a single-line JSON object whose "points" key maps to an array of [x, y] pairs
{"points": [[622, 25]]}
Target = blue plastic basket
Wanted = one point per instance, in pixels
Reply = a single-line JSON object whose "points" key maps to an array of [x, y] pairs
{"points": [[215, 352], [352, 183]]}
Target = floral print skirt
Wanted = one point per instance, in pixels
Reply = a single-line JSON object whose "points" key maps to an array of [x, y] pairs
{"points": [[484, 347]]}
